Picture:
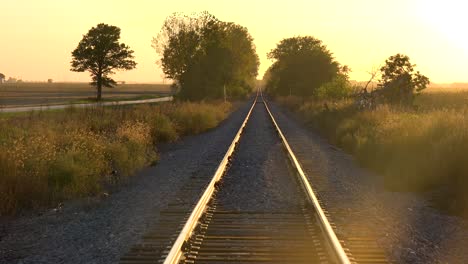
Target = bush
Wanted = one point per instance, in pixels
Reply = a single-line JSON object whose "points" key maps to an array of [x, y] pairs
{"points": [[338, 88]]}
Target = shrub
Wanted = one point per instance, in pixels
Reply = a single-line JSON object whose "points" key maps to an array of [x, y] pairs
{"points": [[338, 88]]}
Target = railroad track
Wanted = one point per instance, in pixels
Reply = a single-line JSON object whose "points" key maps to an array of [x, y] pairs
{"points": [[212, 228]]}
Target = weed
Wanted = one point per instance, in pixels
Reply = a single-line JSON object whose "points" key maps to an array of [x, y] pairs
{"points": [[46, 157]]}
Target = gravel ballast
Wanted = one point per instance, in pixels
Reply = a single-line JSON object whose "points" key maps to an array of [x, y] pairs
{"points": [[259, 178], [101, 230], [405, 224]]}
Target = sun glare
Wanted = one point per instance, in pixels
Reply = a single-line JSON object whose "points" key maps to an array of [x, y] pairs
{"points": [[447, 18]]}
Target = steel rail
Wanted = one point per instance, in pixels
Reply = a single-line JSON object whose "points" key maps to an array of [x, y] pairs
{"points": [[176, 252], [334, 243]]}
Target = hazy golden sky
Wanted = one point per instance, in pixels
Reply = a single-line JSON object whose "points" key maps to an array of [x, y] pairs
{"points": [[37, 37]]}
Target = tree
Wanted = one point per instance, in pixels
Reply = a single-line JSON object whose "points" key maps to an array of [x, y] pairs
{"points": [[301, 65], [100, 53], [206, 56], [179, 41], [2, 77], [400, 83]]}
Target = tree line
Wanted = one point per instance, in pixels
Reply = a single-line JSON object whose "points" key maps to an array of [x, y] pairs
{"points": [[303, 66], [210, 59], [205, 57]]}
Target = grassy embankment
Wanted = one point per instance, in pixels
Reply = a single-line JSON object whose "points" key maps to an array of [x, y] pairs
{"points": [[47, 157], [420, 150]]}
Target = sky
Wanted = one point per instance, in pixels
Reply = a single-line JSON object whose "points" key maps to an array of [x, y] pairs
{"points": [[37, 37]]}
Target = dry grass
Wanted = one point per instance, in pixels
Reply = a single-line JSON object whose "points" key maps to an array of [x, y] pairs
{"points": [[418, 150], [46, 157], [443, 98]]}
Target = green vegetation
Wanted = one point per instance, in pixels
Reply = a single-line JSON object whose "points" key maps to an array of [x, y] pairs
{"points": [[338, 88], [100, 53], [421, 151], [47, 157], [301, 66], [206, 57]]}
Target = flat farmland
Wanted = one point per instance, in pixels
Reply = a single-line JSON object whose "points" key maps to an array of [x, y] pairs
{"points": [[28, 94], [453, 97]]}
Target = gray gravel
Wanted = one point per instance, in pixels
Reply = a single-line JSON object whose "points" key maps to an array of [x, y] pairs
{"points": [[404, 223], [101, 230], [259, 178]]}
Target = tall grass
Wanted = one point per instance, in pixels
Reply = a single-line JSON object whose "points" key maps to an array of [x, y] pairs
{"points": [[443, 98], [46, 157], [422, 151]]}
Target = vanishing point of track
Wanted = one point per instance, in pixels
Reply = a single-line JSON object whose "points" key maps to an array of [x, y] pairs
{"points": [[207, 229]]}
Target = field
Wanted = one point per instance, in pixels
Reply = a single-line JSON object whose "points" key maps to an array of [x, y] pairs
{"points": [[443, 98], [25, 94], [48, 157], [422, 150]]}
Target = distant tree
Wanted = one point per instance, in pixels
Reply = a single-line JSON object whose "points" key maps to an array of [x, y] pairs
{"points": [[206, 56], [301, 65], [2, 77], [12, 80], [400, 83], [100, 53]]}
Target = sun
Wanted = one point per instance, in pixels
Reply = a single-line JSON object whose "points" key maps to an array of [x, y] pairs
{"points": [[447, 18]]}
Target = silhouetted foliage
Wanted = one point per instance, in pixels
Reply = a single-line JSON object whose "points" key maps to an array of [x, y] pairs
{"points": [[203, 55], [100, 53], [301, 65], [338, 88], [2, 77], [400, 83]]}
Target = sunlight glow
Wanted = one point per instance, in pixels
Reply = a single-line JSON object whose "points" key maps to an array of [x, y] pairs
{"points": [[38, 36], [447, 18]]}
